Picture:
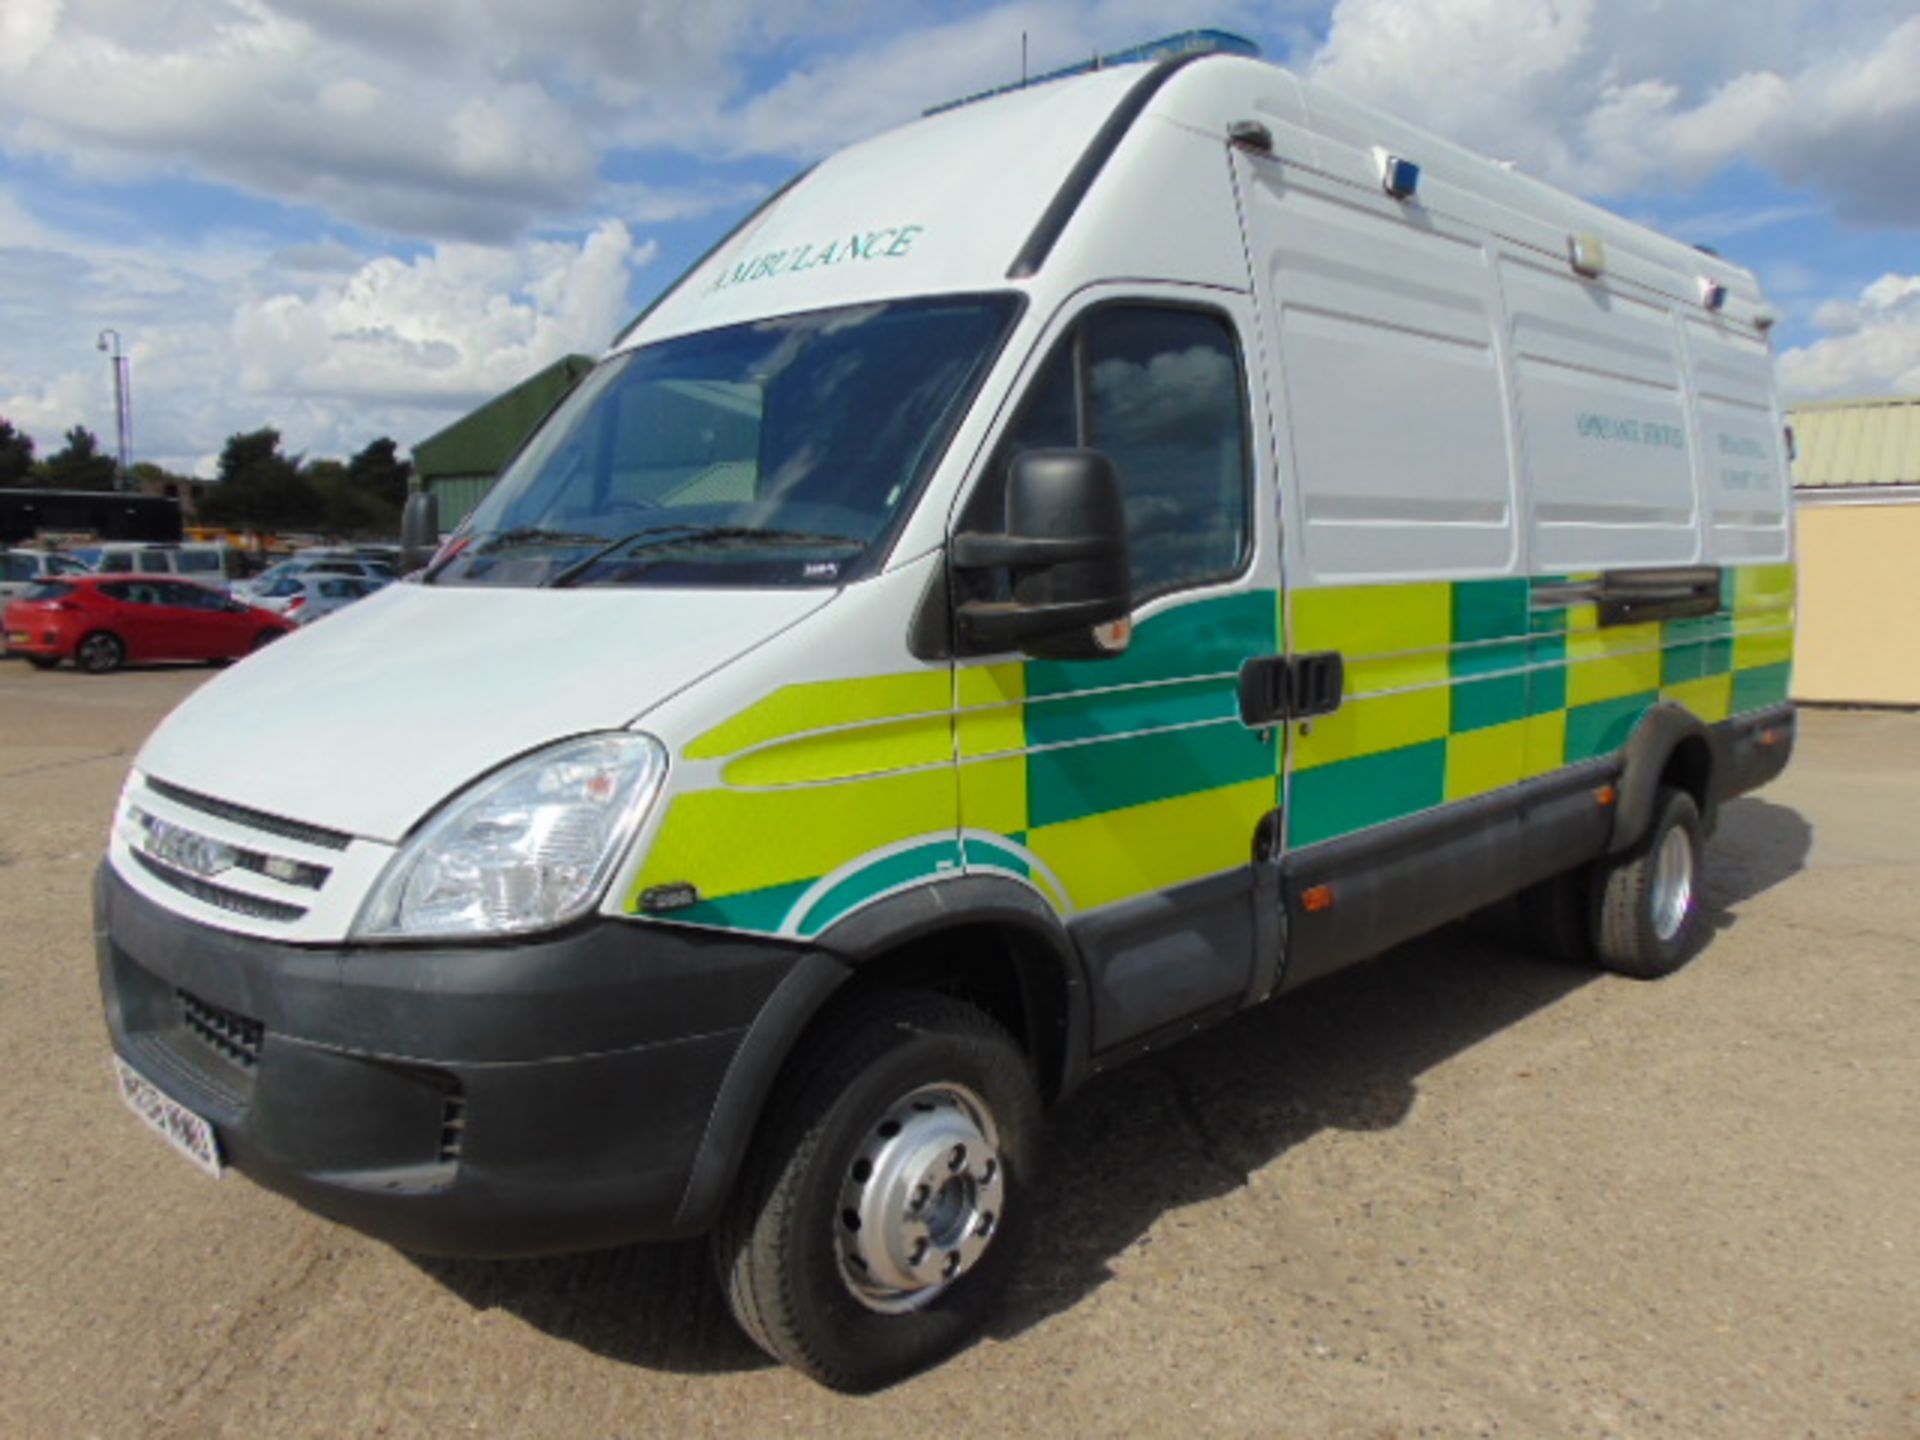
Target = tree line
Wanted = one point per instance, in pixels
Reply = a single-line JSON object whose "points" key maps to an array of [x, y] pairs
{"points": [[260, 487]]}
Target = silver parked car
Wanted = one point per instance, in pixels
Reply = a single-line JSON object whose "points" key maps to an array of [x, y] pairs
{"points": [[303, 599]]}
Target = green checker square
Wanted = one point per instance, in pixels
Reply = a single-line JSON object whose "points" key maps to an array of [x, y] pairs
{"points": [[1717, 655], [1202, 637], [1333, 800], [1481, 704], [1073, 781], [1489, 609], [1680, 663], [1547, 681], [1603, 727], [1761, 686]]}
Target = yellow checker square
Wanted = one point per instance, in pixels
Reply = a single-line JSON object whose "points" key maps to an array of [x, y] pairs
{"points": [[1762, 647], [1759, 589], [1119, 853], [817, 705], [1545, 745], [1607, 664], [729, 841], [993, 795], [842, 754], [1479, 761], [1363, 620], [1710, 699], [1367, 726], [1396, 672], [992, 718]]}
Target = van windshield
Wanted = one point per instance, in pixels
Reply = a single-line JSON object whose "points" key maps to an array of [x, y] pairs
{"points": [[779, 452]]}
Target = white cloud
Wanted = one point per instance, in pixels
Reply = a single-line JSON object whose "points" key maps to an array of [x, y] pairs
{"points": [[453, 327], [465, 119], [329, 346], [1608, 96], [1872, 345]]}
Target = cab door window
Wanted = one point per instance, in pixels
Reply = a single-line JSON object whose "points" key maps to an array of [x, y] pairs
{"points": [[1159, 391]]}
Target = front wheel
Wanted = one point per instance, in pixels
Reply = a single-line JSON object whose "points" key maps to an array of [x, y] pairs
{"points": [[878, 1221], [1648, 921]]}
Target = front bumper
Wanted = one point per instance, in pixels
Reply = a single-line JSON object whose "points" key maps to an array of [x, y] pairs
{"points": [[500, 1099]]}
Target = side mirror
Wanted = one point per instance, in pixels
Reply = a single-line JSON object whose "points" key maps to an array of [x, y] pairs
{"points": [[419, 529], [1065, 552]]}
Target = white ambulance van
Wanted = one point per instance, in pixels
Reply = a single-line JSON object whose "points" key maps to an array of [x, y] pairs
{"points": [[1063, 571]]}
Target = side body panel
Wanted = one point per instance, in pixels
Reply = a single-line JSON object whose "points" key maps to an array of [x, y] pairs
{"points": [[1475, 443]]}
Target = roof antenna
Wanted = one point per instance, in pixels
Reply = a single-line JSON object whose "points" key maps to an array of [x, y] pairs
{"points": [[1023, 58]]}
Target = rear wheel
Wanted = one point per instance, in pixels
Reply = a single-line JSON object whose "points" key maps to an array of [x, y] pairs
{"points": [[1648, 921], [99, 653], [878, 1220]]}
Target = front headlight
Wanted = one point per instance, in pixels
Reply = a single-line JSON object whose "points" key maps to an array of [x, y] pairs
{"points": [[526, 849]]}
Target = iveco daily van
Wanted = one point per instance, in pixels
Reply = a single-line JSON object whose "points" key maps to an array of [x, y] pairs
{"points": [[1062, 571]]}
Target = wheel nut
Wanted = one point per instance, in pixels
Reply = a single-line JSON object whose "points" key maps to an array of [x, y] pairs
{"points": [[952, 1267], [920, 1194], [958, 1158], [919, 1251]]}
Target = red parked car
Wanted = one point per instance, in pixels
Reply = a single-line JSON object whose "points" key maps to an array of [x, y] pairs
{"points": [[100, 622]]}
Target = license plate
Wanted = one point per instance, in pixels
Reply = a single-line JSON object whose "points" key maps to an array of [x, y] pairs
{"points": [[18, 637], [177, 1125]]}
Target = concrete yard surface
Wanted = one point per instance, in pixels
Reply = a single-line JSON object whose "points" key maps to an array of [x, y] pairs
{"points": [[1460, 1190]]}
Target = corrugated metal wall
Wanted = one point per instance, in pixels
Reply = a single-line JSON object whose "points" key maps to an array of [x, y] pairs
{"points": [[458, 495], [1857, 442]]}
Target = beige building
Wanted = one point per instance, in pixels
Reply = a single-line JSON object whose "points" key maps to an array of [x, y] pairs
{"points": [[1857, 507]]}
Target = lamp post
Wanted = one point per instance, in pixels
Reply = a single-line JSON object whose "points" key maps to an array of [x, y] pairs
{"points": [[122, 406]]}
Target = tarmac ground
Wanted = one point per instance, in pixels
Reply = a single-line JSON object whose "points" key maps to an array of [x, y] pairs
{"points": [[1459, 1190]]}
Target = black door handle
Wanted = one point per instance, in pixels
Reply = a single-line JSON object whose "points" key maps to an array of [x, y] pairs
{"points": [[1274, 688]]}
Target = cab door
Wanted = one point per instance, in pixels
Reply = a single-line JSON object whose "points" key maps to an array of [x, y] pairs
{"points": [[1128, 789]]}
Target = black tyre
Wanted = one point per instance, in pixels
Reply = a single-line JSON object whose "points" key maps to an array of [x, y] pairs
{"points": [[43, 662], [99, 653], [1556, 916], [1647, 919], [878, 1219], [264, 639]]}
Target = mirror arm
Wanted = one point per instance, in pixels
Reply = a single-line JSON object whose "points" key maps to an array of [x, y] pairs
{"points": [[1004, 623]]}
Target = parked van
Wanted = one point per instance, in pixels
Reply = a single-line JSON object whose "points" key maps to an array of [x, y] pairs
{"points": [[21, 568], [1062, 572], [210, 563]]}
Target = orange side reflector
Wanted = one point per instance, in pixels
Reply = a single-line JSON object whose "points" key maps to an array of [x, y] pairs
{"points": [[1606, 795], [1767, 737], [1319, 897]]}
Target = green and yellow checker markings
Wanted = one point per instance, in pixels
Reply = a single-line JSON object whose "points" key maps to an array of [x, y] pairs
{"points": [[1103, 780], [1522, 687]]}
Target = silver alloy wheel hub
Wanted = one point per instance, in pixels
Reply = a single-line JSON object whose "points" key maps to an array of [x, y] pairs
{"points": [[921, 1199], [1672, 883]]}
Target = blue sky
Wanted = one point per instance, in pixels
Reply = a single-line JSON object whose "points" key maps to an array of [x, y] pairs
{"points": [[348, 218]]}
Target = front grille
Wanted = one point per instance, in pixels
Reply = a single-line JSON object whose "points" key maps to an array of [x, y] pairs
{"points": [[218, 896], [253, 819], [232, 1037]]}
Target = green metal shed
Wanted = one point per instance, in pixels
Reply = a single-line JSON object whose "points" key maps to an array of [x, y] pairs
{"points": [[459, 464]]}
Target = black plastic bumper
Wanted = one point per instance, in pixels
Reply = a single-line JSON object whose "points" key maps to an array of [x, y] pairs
{"points": [[494, 1100]]}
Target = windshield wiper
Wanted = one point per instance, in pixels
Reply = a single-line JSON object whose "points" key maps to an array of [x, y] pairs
{"points": [[690, 534]]}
